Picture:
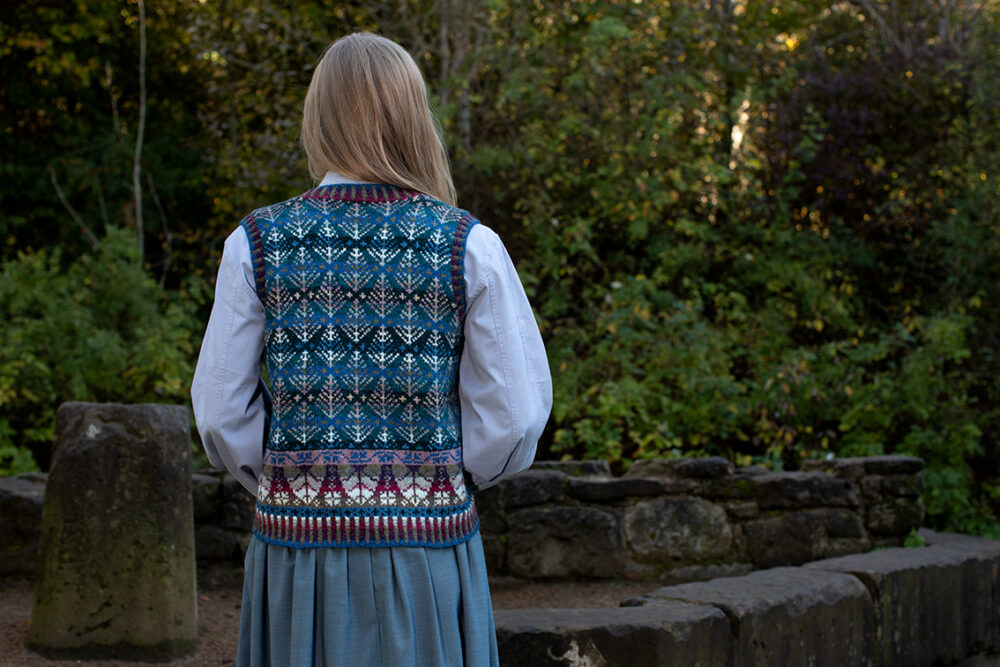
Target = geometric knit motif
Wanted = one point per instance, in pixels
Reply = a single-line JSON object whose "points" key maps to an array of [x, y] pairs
{"points": [[363, 292]]}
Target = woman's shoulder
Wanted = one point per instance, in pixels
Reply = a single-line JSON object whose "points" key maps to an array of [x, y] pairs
{"points": [[269, 212], [367, 194], [442, 209]]}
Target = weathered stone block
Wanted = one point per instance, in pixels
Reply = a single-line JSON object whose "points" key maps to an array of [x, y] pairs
{"points": [[533, 487], [20, 517], [855, 467], [586, 468], [711, 467], [786, 539], [788, 616], [206, 494], [238, 506], [596, 489], [929, 602], [841, 522], [652, 468], [893, 464], [681, 574], [490, 506], [852, 469], [894, 516], [798, 537], [741, 510], [871, 488], [678, 486], [563, 542], [909, 486], [978, 546], [116, 572], [667, 635], [793, 490], [678, 529], [740, 550], [212, 543], [493, 551], [959, 542], [837, 546], [220, 576], [741, 486]]}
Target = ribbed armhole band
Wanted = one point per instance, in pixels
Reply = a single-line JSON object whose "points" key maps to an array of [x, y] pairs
{"points": [[465, 225], [256, 253]]}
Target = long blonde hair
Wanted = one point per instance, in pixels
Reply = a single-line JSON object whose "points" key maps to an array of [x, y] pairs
{"points": [[366, 116]]}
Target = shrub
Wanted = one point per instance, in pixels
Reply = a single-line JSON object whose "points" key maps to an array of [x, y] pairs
{"points": [[97, 329]]}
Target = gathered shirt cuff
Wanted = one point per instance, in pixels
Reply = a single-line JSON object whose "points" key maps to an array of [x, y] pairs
{"points": [[505, 388]]}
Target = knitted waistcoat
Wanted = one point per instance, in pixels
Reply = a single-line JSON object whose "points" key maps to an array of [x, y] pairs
{"points": [[363, 292]]}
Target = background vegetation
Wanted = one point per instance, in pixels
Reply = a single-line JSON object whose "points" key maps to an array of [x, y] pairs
{"points": [[763, 230]]}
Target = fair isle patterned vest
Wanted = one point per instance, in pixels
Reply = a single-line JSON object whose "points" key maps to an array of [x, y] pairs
{"points": [[363, 291]]}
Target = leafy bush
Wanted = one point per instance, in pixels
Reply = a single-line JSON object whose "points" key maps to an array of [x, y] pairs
{"points": [[825, 286], [769, 231], [98, 329]]}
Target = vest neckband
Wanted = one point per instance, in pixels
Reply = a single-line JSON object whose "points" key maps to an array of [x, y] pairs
{"points": [[368, 193]]}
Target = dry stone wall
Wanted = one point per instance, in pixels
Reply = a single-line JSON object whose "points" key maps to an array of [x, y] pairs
{"points": [[669, 521], [694, 519]]}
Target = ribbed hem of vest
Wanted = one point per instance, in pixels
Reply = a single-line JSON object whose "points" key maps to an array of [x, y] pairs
{"points": [[381, 530], [367, 193]]}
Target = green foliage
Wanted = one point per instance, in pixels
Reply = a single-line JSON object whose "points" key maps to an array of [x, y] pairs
{"points": [[100, 329], [769, 231], [825, 287], [914, 540]]}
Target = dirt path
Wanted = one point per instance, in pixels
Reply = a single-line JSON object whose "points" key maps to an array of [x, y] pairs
{"points": [[219, 617], [218, 625]]}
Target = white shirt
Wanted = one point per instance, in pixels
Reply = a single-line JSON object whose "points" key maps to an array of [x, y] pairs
{"points": [[504, 387]]}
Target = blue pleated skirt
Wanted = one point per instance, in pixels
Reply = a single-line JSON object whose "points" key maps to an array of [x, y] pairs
{"points": [[388, 607]]}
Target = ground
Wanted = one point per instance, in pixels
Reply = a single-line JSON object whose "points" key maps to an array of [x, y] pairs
{"points": [[219, 616]]}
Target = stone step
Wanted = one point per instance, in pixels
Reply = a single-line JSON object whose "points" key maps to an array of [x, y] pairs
{"points": [[938, 604]]}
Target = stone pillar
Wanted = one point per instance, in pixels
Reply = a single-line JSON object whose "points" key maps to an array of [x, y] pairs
{"points": [[116, 566]]}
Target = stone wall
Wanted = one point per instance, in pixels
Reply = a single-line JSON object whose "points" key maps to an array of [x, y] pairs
{"points": [[21, 501], [223, 516], [668, 521], [694, 519], [933, 605]]}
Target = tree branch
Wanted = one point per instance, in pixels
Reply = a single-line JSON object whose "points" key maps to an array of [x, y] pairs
{"points": [[69, 208], [136, 162], [168, 238]]}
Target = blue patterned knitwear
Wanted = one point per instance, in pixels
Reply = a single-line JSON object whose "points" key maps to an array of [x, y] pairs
{"points": [[363, 292]]}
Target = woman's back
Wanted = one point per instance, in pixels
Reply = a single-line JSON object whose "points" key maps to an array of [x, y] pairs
{"points": [[363, 293], [403, 359]]}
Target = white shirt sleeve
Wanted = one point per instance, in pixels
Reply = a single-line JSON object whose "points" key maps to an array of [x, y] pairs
{"points": [[504, 384], [230, 401], [505, 389]]}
